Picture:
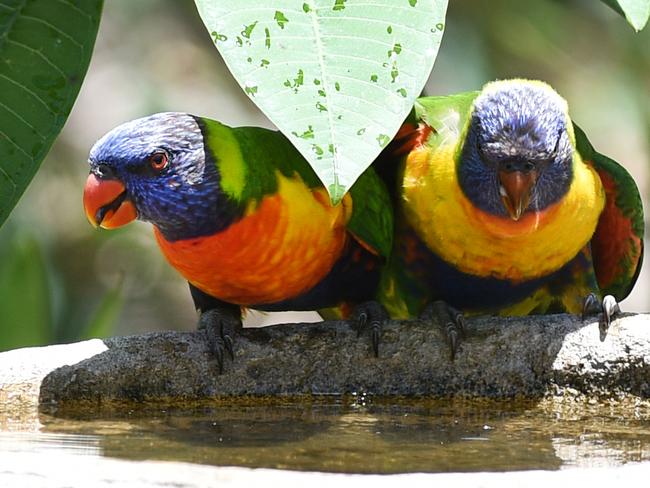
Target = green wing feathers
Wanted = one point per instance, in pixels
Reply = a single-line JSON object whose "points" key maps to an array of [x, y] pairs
{"points": [[617, 244], [372, 213]]}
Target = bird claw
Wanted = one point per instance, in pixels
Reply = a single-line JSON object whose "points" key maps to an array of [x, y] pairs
{"points": [[590, 306], [361, 320], [608, 309], [452, 336], [228, 346], [370, 315], [220, 328], [452, 322]]}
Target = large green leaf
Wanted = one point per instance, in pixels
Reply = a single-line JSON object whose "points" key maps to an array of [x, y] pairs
{"points": [[338, 77], [45, 48], [635, 11]]}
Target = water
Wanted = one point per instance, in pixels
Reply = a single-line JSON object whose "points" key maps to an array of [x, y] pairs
{"points": [[354, 435]]}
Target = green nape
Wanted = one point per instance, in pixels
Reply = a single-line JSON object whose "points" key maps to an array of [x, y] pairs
{"points": [[248, 158]]}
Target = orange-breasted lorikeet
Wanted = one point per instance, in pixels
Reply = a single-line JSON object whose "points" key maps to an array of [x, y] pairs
{"points": [[242, 216], [504, 207]]}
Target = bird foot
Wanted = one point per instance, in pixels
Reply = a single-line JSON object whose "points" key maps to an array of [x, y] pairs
{"points": [[451, 321], [370, 316], [220, 328], [607, 309]]}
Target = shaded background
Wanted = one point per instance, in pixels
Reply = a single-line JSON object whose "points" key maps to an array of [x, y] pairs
{"points": [[60, 280]]}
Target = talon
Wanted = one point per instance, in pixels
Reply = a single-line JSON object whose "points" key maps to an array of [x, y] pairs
{"points": [[375, 335], [218, 355], [450, 320], [459, 319], [361, 322], [452, 336], [371, 316], [221, 322], [590, 306], [219, 329], [228, 345], [607, 309], [610, 309]]}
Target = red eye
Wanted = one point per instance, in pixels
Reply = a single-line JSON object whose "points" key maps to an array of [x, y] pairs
{"points": [[159, 160]]}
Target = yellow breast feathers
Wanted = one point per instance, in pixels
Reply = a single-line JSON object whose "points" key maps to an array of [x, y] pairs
{"points": [[483, 244]]}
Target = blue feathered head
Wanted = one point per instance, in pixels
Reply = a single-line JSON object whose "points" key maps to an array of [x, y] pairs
{"points": [[157, 169], [517, 154]]}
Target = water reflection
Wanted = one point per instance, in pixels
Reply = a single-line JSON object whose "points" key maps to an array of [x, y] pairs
{"points": [[47, 443], [339, 436]]}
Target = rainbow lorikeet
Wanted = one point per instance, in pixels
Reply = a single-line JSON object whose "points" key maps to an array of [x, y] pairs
{"points": [[242, 216], [504, 207]]}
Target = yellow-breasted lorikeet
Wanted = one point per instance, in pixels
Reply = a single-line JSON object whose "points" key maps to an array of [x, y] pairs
{"points": [[242, 216], [504, 207]]}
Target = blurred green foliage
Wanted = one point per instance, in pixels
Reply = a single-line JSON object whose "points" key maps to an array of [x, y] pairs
{"points": [[25, 290], [38, 305], [58, 276]]}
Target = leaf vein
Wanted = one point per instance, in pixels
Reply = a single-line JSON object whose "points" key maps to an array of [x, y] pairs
{"points": [[15, 144], [21, 118], [54, 28], [9, 178], [12, 19], [323, 77], [40, 55], [77, 9], [24, 88]]}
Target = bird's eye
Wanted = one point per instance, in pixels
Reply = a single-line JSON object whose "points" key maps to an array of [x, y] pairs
{"points": [[159, 160]]}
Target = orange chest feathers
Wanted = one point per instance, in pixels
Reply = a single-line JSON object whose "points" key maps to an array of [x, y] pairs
{"points": [[283, 246]]}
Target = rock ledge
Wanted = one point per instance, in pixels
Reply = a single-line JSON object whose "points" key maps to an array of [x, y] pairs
{"points": [[502, 357]]}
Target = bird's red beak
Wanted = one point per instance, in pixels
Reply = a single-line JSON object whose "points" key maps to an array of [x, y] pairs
{"points": [[516, 187], [106, 203]]}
